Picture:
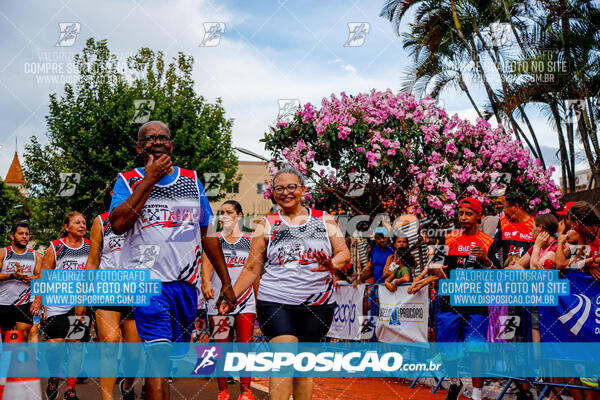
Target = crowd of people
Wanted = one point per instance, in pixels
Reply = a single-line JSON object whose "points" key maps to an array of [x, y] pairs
{"points": [[282, 275], [517, 240]]}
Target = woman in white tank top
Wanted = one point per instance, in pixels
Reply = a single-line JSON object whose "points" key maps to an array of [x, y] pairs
{"points": [[236, 246], [298, 249], [68, 252]]}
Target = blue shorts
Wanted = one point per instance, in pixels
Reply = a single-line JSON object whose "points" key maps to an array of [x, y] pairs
{"points": [[169, 317], [468, 328]]}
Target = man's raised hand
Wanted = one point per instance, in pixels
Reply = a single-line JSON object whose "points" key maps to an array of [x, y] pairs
{"points": [[159, 168]]}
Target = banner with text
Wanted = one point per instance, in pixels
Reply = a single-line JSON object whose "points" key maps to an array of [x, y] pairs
{"points": [[403, 317], [346, 317]]}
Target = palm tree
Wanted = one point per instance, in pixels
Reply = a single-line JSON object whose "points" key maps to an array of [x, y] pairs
{"points": [[571, 29], [445, 36], [444, 40]]}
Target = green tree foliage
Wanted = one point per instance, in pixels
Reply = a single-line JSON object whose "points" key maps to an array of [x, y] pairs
{"points": [[526, 55], [13, 207], [90, 130]]}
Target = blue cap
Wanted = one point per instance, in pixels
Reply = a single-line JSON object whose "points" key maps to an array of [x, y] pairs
{"points": [[381, 230]]}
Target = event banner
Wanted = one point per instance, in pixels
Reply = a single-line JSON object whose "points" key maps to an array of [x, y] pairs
{"points": [[403, 317], [324, 359], [576, 318], [346, 317]]}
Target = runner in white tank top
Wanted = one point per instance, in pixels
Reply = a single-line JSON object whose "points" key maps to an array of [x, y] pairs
{"points": [[112, 244], [297, 249], [69, 252], [236, 248], [18, 266], [113, 323], [291, 256], [66, 257], [16, 291], [236, 255]]}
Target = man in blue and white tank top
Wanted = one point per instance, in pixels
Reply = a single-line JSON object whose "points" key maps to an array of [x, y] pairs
{"points": [[164, 216], [18, 266]]}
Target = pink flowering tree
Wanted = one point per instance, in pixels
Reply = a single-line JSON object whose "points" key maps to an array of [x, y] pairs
{"points": [[418, 159]]}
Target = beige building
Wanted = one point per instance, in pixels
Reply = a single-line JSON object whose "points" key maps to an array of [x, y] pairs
{"points": [[249, 190], [582, 179]]}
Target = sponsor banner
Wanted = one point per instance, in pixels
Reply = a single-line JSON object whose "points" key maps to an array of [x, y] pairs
{"points": [[346, 317], [304, 359], [403, 317], [576, 318], [477, 287], [96, 287]]}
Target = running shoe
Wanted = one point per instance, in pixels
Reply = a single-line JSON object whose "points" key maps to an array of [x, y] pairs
{"points": [[223, 395], [52, 388], [246, 396], [127, 394], [70, 394], [454, 391]]}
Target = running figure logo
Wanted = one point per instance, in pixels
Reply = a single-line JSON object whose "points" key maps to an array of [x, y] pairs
{"points": [[212, 183], [367, 325], [357, 33], [77, 327], [358, 183], [148, 254], [499, 183], [212, 34], [143, 110], [68, 184], [574, 110], [207, 359], [68, 33], [287, 109], [223, 325], [508, 326]]}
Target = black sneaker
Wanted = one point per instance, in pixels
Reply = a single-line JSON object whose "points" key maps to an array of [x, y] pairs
{"points": [[454, 391], [70, 394], [127, 394], [143, 394], [524, 395], [52, 388], [230, 380]]}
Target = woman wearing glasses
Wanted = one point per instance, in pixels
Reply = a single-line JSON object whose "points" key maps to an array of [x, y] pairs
{"points": [[298, 249]]}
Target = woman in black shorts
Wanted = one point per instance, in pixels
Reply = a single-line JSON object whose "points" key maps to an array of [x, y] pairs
{"points": [[114, 323], [298, 248], [68, 252]]}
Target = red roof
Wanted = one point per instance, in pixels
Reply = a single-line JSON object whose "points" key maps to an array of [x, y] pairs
{"points": [[14, 174]]}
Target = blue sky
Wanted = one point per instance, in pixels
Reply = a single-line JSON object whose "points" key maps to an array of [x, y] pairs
{"points": [[270, 50]]}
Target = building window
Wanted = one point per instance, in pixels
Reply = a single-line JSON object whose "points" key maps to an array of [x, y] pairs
{"points": [[235, 189], [260, 188]]}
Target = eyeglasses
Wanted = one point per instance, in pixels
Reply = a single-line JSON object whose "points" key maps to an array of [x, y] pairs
{"points": [[155, 138], [291, 188]]}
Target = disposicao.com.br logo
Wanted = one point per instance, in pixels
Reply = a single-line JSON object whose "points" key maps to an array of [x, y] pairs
{"points": [[370, 361]]}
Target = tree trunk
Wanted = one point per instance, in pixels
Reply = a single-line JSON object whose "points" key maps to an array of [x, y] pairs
{"points": [[565, 165]]}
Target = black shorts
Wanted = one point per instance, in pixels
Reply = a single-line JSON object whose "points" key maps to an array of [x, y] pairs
{"points": [[59, 326], [10, 315], [126, 311], [307, 323]]}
